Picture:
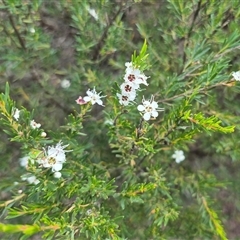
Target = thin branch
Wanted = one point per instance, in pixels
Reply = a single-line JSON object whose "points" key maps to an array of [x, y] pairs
{"points": [[116, 118], [98, 47], [201, 90], [171, 129], [15, 29], [191, 29], [8, 35], [138, 135]]}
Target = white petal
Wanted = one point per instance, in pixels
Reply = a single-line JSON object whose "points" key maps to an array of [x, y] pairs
{"points": [[99, 102], [154, 114], [154, 104], [146, 103], [57, 167], [128, 64], [89, 93], [146, 116], [87, 99], [57, 174], [46, 164], [141, 108], [31, 179]]}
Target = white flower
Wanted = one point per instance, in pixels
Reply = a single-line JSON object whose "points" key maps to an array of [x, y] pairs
{"points": [[65, 83], [93, 97], [34, 125], [24, 161], [178, 156], [54, 157], [149, 108], [135, 76], [125, 99], [236, 75], [16, 114], [57, 174], [127, 88], [30, 178]]}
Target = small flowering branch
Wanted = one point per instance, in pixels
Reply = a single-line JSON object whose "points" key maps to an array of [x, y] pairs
{"points": [[10, 113], [133, 78], [92, 96]]}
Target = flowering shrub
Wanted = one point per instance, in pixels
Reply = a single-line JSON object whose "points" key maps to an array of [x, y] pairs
{"points": [[109, 152]]}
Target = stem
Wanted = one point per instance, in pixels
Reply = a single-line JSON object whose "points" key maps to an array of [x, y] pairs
{"points": [[98, 47], [171, 129], [191, 29], [5, 204], [201, 90], [15, 29], [116, 118], [138, 135]]}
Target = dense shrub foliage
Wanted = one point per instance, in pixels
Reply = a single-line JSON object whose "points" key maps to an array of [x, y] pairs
{"points": [[119, 119]]}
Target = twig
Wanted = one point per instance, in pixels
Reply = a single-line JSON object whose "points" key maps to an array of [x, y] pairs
{"points": [[201, 90], [15, 29], [116, 118], [191, 29], [98, 47], [139, 128], [171, 129]]}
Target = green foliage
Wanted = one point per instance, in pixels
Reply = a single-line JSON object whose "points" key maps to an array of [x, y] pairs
{"points": [[120, 179]]}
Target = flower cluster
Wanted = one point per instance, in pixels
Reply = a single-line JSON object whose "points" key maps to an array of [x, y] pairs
{"points": [[29, 177], [132, 79], [16, 115], [52, 157], [92, 96]]}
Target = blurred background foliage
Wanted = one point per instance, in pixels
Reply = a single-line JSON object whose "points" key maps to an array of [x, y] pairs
{"points": [[193, 47]]}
